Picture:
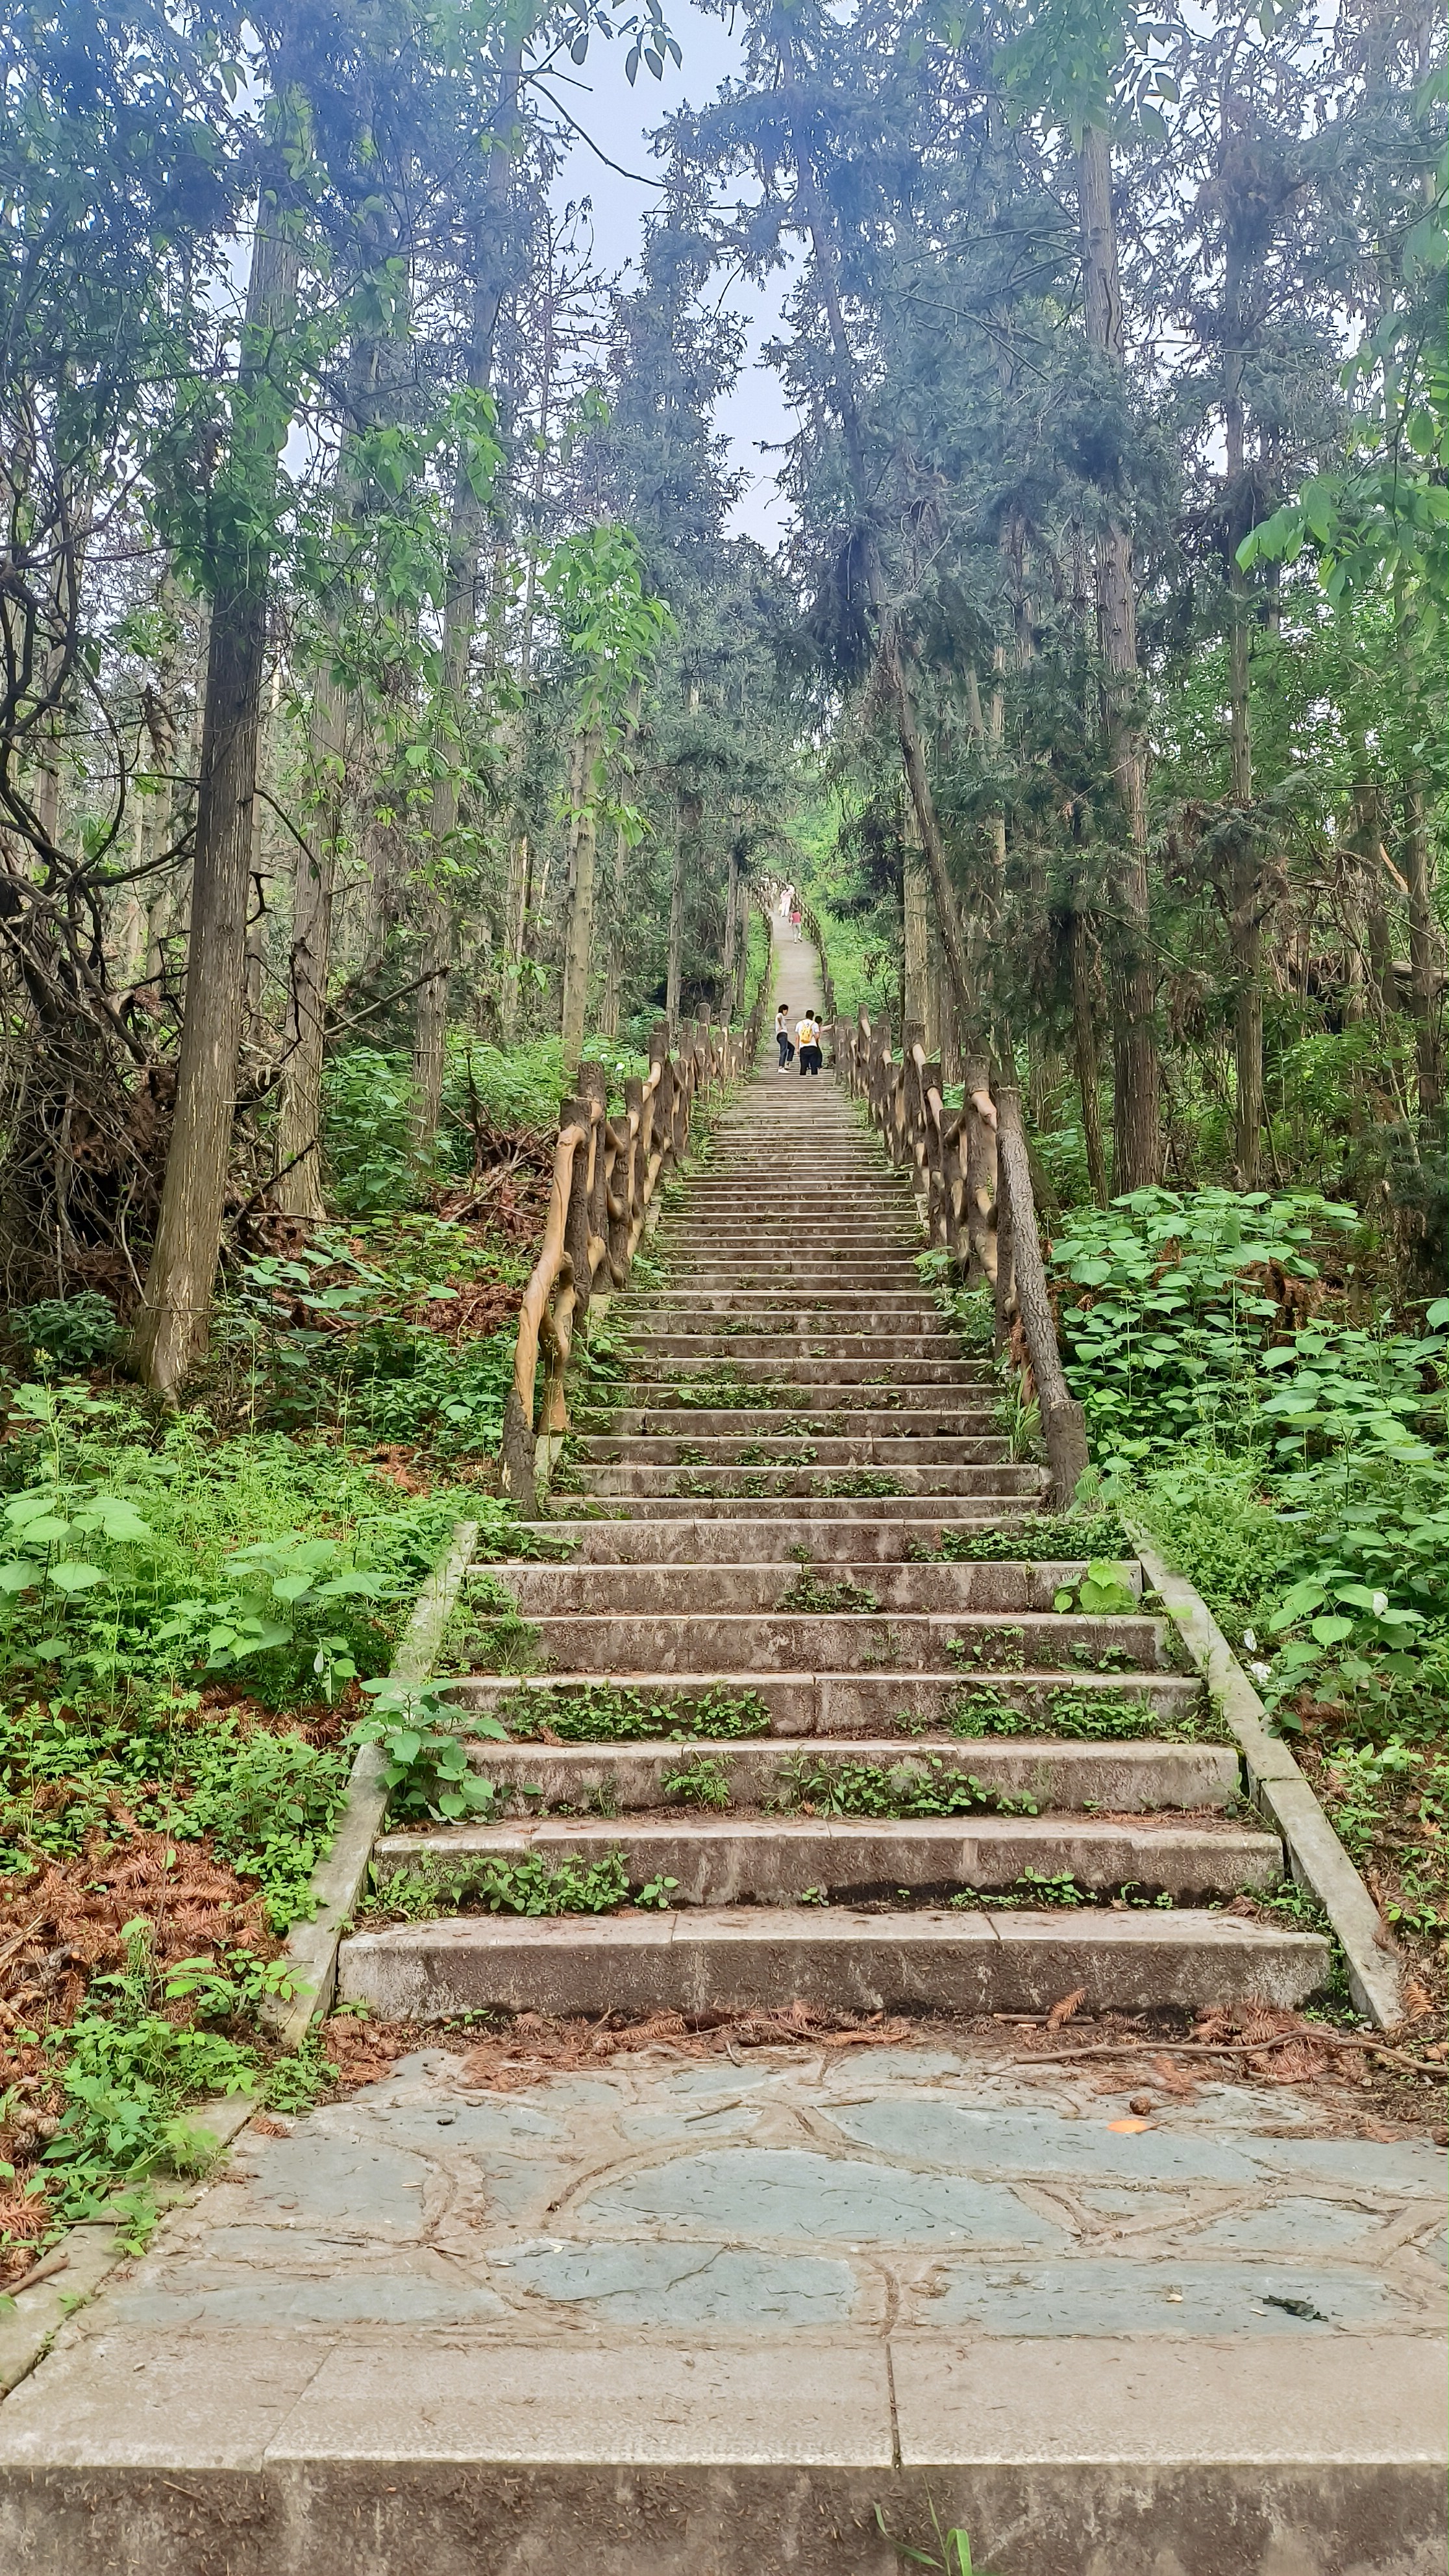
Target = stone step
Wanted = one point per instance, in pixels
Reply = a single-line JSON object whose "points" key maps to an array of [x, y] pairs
{"points": [[795, 1348], [918, 1377], [998, 1589], [990, 1475], [1125, 1779], [745, 1275], [790, 1860], [605, 1641], [919, 1420], [913, 1308], [833, 1703], [722, 1540], [804, 1513], [819, 1450], [697, 1960]]}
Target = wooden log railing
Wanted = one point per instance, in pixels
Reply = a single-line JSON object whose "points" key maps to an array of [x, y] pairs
{"points": [[607, 1171], [972, 1178]]}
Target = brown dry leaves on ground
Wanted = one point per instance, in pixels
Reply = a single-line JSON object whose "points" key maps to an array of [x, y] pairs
{"points": [[66, 1921], [63, 1924]]}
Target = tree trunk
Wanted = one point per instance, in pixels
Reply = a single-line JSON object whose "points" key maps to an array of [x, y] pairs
{"points": [[919, 995], [1426, 972], [460, 612], [579, 938], [299, 1119], [674, 964], [732, 907], [171, 1325], [515, 918], [1136, 1079], [827, 263], [1084, 1038]]}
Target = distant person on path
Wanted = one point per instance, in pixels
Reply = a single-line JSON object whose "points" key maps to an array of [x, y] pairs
{"points": [[783, 1039], [808, 1034]]}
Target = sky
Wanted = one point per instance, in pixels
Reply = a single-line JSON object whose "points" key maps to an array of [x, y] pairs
{"points": [[619, 119]]}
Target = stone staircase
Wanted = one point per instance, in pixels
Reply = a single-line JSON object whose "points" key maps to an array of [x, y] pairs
{"points": [[841, 1758]]}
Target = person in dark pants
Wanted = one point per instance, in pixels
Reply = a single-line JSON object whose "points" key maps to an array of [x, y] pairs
{"points": [[783, 1039], [808, 1033]]}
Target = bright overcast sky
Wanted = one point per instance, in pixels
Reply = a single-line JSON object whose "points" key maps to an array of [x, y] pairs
{"points": [[619, 119]]}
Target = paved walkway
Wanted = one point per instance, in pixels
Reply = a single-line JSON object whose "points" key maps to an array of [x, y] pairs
{"points": [[868, 2273]]}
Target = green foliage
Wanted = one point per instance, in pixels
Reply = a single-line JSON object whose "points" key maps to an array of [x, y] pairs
{"points": [[531, 1885], [912, 1787], [1088, 1717], [810, 1592], [704, 1782], [127, 2072], [603, 1713], [66, 1332], [126, 1573], [1039, 1537], [1100, 1594], [269, 1803], [368, 1108], [1171, 1317], [426, 1770]]}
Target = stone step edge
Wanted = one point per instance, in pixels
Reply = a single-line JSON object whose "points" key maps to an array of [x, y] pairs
{"points": [[695, 1958], [1316, 1857], [776, 1860], [1208, 1774], [473, 1690]]}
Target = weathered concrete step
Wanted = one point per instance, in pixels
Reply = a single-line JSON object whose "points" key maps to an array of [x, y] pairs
{"points": [[991, 1476], [745, 1275], [804, 1513], [922, 1641], [701, 1959], [722, 1539], [1127, 1779], [862, 1448], [806, 1703], [793, 1348], [917, 1420], [784, 1860], [999, 1590], [911, 1376], [767, 1312]]}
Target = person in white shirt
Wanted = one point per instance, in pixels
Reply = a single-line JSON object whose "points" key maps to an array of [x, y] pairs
{"points": [[811, 1055], [783, 1039]]}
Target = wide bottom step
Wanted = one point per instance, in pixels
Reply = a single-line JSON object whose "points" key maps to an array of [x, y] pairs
{"points": [[765, 1958]]}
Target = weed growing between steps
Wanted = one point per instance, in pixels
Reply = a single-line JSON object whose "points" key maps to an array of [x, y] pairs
{"points": [[813, 1593], [530, 1885], [1086, 1717], [705, 1782], [813, 1784], [1036, 1538], [1039, 1890], [600, 1713]]}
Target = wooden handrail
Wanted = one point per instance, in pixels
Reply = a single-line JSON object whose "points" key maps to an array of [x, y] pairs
{"points": [[972, 1179], [606, 1173]]}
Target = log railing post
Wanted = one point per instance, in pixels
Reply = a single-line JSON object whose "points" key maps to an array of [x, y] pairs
{"points": [[1062, 1420]]}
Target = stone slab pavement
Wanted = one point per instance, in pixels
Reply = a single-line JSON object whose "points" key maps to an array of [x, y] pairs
{"points": [[832, 2280]]}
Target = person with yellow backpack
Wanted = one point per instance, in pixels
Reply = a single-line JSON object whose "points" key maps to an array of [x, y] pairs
{"points": [[811, 1052]]}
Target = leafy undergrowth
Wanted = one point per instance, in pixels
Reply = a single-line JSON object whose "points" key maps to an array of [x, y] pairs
{"points": [[192, 1610], [1251, 1404]]}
